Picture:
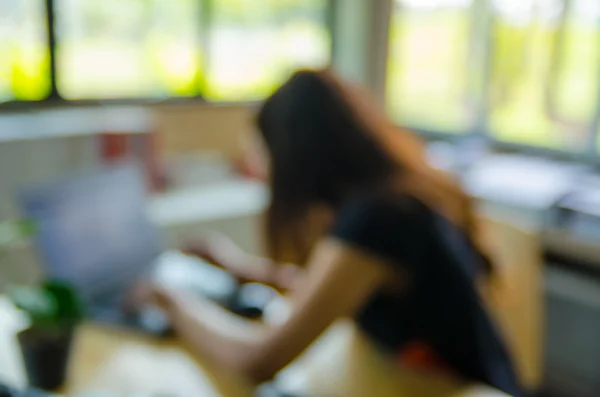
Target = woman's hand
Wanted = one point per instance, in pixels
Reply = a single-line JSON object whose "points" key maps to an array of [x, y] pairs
{"points": [[145, 293], [211, 248], [286, 276], [220, 251], [224, 253]]}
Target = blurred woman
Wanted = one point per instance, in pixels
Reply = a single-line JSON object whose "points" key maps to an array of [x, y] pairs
{"points": [[380, 236]]}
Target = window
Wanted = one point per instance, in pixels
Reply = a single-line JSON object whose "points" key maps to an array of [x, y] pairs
{"points": [[428, 64], [577, 62], [252, 48], [536, 83], [545, 66], [112, 49], [127, 48], [24, 53]]}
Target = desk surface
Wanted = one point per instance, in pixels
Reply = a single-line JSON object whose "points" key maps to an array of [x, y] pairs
{"points": [[341, 363]]}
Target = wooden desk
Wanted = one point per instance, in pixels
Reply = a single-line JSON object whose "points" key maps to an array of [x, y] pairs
{"points": [[341, 363]]}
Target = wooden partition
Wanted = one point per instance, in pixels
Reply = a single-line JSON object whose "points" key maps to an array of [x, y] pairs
{"points": [[197, 127], [516, 296]]}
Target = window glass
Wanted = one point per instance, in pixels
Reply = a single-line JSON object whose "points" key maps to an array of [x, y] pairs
{"points": [[127, 48], [577, 68], [24, 54], [251, 49], [545, 68], [427, 84]]}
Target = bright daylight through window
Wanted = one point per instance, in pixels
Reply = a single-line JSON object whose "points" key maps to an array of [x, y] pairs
{"points": [[536, 83], [428, 77], [24, 54], [127, 49], [545, 72], [226, 50], [253, 49]]}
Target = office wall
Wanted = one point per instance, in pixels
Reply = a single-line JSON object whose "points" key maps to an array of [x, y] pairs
{"points": [[182, 128], [25, 161]]}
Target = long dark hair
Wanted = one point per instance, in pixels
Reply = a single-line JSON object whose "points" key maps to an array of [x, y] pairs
{"points": [[325, 145]]}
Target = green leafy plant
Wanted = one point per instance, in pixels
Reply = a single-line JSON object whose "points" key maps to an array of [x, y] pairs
{"points": [[51, 306], [13, 233]]}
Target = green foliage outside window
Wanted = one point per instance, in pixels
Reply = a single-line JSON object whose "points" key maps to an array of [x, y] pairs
{"points": [[427, 75], [254, 47], [159, 48], [543, 57], [24, 57]]}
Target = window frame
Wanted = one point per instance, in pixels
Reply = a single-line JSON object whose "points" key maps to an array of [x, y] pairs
{"points": [[55, 100]]}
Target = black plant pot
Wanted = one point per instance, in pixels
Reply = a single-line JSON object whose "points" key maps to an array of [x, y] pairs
{"points": [[46, 355]]}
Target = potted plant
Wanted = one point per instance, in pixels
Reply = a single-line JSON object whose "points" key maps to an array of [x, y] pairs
{"points": [[54, 310]]}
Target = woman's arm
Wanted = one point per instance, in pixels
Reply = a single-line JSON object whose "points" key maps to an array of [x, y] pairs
{"points": [[222, 252], [339, 281]]}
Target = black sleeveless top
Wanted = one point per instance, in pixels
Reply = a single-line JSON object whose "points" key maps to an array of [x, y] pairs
{"points": [[442, 307]]}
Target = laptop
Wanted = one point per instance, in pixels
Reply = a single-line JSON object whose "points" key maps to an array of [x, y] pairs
{"points": [[95, 233]]}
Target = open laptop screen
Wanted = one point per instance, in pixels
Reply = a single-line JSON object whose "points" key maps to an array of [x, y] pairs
{"points": [[93, 229]]}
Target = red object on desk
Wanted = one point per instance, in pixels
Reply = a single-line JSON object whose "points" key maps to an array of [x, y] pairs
{"points": [[114, 147], [141, 147]]}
